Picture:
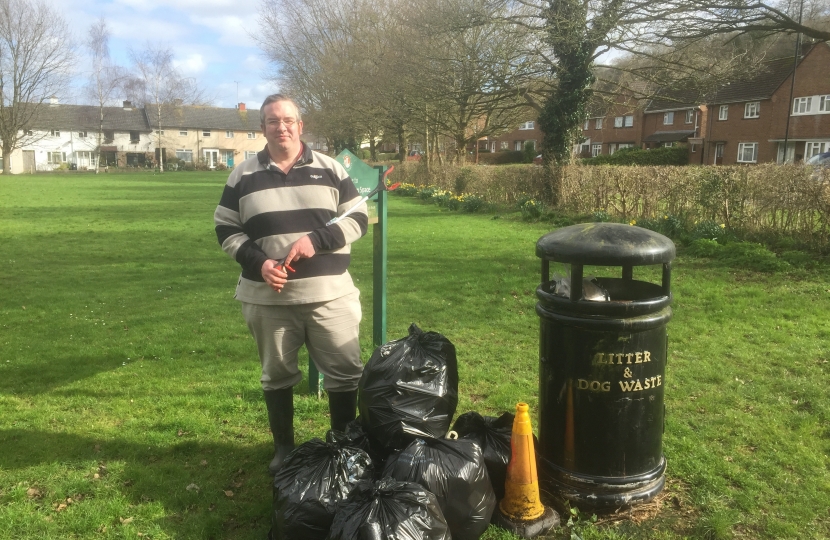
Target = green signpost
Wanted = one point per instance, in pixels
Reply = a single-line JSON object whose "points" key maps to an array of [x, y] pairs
{"points": [[366, 178]]}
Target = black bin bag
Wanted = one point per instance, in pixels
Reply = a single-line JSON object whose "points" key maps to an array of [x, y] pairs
{"points": [[316, 476], [389, 510], [409, 388], [454, 471], [493, 436]]}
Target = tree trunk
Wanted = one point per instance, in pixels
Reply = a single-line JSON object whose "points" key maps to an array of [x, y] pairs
{"points": [[7, 159]]}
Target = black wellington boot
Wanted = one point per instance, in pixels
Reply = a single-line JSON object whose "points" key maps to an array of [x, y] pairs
{"points": [[280, 405], [342, 406]]}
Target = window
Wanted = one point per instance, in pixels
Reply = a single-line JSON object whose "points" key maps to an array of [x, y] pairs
{"points": [[252, 134], [185, 155], [719, 149], [668, 118], [517, 146], [82, 134], [618, 121], [55, 158], [135, 137], [824, 103], [585, 125], [802, 105], [109, 136], [625, 145], [628, 120], [55, 133], [668, 144], [723, 112], [747, 152], [229, 134], [693, 148], [160, 132], [752, 109], [690, 116], [249, 154], [205, 133], [813, 148], [183, 132], [527, 125], [504, 145], [598, 123], [623, 121], [596, 149], [29, 133]]}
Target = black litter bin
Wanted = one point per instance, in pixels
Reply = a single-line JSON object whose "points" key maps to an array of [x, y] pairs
{"points": [[602, 360]]}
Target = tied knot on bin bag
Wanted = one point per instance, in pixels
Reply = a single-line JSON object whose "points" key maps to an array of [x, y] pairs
{"points": [[389, 510], [409, 389], [454, 471]]}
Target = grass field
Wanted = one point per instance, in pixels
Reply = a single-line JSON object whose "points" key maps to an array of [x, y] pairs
{"points": [[129, 398]]}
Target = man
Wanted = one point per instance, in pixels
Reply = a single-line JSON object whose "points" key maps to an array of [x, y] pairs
{"points": [[295, 287]]}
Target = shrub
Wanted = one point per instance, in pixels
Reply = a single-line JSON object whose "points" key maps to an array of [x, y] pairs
{"points": [[675, 155], [221, 167], [503, 157], [472, 203], [710, 230], [462, 180], [528, 152], [530, 208]]}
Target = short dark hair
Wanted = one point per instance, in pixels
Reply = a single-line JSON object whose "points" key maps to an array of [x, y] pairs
{"points": [[274, 98]]}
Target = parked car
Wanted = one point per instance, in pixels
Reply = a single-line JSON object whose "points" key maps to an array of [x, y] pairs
{"points": [[820, 164], [414, 155], [537, 160]]}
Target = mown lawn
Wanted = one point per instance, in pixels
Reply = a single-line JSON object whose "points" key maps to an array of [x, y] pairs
{"points": [[129, 398]]}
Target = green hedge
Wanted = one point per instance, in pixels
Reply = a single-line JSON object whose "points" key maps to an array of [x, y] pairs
{"points": [[504, 157], [675, 155]]}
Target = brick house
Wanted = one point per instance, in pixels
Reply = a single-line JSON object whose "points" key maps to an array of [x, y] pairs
{"points": [[515, 140], [749, 119], [612, 126], [679, 120]]}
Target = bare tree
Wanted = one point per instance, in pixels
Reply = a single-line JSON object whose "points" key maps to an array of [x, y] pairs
{"points": [[35, 57], [158, 85], [693, 19], [105, 78]]}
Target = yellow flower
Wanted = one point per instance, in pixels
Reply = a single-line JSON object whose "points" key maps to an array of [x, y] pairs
{"points": [[722, 226], [632, 222], [665, 217]]}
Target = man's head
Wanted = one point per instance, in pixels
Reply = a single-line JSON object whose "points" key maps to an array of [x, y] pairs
{"points": [[281, 125]]}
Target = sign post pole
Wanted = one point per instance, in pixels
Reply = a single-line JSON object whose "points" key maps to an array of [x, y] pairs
{"points": [[379, 268]]}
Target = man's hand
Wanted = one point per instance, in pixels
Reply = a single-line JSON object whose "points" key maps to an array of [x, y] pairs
{"points": [[302, 249], [274, 275]]}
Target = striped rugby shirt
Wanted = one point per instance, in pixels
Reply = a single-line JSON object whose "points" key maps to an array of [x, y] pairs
{"points": [[264, 211]]}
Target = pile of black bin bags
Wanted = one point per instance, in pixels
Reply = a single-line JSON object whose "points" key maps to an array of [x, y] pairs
{"points": [[394, 474]]}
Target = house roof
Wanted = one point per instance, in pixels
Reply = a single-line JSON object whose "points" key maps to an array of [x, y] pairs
{"points": [[760, 86], [197, 117], [676, 100], [669, 136], [88, 117]]}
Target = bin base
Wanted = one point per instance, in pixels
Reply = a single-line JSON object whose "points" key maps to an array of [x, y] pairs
{"points": [[601, 491]]}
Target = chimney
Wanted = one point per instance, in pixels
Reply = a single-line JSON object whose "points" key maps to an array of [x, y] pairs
{"points": [[241, 106], [127, 105]]}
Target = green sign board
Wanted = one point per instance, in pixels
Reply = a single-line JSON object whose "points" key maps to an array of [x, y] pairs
{"points": [[365, 177]]}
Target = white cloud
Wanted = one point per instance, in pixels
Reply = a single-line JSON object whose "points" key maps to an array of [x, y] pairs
{"points": [[192, 65]]}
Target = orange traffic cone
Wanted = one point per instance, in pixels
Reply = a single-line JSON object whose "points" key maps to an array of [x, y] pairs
{"points": [[521, 511]]}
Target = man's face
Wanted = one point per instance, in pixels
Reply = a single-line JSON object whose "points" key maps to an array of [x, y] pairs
{"points": [[282, 129]]}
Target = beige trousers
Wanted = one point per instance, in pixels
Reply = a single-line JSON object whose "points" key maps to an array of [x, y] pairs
{"points": [[329, 331]]}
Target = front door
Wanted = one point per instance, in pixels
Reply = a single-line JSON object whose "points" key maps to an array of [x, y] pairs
{"points": [[211, 158], [28, 161]]}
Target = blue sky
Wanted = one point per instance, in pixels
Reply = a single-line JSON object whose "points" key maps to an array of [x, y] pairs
{"points": [[210, 39]]}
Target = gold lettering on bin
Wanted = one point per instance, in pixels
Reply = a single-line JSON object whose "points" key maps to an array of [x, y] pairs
{"points": [[619, 359], [636, 385], [593, 386]]}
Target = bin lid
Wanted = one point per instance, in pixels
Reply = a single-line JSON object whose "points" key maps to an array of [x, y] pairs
{"points": [[605, 244]]}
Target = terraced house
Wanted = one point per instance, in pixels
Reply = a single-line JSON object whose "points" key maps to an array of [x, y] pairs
{"points": [[69, 136], [210, 135]]}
